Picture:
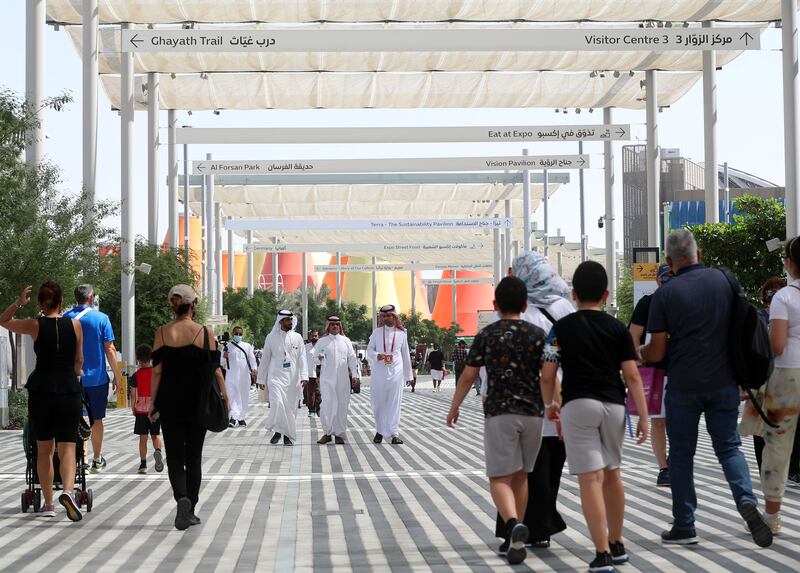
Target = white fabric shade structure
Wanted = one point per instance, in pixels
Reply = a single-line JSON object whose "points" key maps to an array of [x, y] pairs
{"points": [[171, 11]]}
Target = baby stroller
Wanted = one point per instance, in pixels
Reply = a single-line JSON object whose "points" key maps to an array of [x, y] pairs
{"points": [[32, 496]]}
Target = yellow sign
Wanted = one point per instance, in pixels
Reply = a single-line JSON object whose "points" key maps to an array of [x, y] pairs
{"points": [[645, 271], [122, 388]]}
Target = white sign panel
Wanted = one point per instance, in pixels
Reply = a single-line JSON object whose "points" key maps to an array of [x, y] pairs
{"points": [[368, 224], [443, 40], [462, 281], [390, 165], [402, 267], [217, 320], [443, 134], [486, 317], [363, 247]]}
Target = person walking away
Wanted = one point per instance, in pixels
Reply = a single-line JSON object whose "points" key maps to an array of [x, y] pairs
{"points": [[241, 370], [415, 362], [658, 425], [592, 347], [177, 386], [338, 373], [459, 356], [98, 347], [54, 392], [390, 361], [511, 351], [689, 320], [141, 391], [436, 365], [283, 369], [311, 388]]}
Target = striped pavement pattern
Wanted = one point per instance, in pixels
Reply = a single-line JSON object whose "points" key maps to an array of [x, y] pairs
{"points": [[422, 506]]}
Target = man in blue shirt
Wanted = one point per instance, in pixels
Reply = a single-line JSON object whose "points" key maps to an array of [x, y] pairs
{"points": [[98, 346], [689, 321]]}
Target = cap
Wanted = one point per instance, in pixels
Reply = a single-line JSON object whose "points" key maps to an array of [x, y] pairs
{"points": [[186, 293]]}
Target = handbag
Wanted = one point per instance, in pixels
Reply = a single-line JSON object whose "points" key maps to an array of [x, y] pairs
{"points": [[653, 384], [213, 413]]}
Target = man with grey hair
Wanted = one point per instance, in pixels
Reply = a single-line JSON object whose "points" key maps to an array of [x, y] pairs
{"points": [[689, 319], [98, 346]]}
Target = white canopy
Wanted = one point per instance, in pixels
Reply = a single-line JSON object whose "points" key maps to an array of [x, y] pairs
{"points": [[286, 11]]}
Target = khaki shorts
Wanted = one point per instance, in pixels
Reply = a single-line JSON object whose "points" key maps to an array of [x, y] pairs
{"points": [[593, 435], [511, 443]]}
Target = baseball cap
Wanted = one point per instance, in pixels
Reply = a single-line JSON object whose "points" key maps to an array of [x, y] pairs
{"points": [[186, 293]]}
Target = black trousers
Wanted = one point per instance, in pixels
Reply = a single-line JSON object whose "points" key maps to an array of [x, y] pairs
{"points": [[541, 516], [183, 442]]}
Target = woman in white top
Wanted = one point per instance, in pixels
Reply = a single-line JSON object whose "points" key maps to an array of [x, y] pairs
{"points": [[783, 388]]}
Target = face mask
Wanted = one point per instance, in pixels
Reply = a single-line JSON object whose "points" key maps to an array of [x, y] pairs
{"points": [[237, 338]]}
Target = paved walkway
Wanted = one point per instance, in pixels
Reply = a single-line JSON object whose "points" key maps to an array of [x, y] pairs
{"points": [[421, 506]]}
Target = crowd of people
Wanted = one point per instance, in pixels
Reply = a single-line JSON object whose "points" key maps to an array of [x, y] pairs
{"points": [[554, 375]]}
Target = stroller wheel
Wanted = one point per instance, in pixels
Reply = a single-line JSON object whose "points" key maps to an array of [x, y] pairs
{"points": [[25, 503], [89, 499], [78, 497]]}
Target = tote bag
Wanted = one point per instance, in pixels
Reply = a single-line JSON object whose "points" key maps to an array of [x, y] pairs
{"points": [[653, 383], [213, 413]]}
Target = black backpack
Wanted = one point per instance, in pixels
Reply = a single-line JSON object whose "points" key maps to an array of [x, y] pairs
{"points": [[750, 349]]}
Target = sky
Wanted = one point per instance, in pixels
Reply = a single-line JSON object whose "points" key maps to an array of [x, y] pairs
{"points": [[750, 130]]}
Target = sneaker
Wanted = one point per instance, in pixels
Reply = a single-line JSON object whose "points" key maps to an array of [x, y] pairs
{"points": [[603, 563], [194, 520], [539, 543], [183, 514], [98, 466], [69, 504], [677, 536], [47, 510], [396, 440], [774, 522], [516, 549], [231, 423], [378, 438], [618, 554], [324, 439], [339, 441], [242, 424], [793, 480], [503, 549], [276, 437], [311, 414], [287, 441], [159, 459], [663, 478], [142, 468], [761, 532]]}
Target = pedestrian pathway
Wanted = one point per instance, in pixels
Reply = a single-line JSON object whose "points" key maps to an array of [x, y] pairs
{"points": [[364, 507]]}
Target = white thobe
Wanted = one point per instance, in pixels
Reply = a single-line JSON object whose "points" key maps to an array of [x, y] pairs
{"points": [[339, 364], [387, 380], [312, 361], [283, 366], [237, 378]]}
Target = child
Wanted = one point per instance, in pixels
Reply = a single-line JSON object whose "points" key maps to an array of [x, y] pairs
{"points": [[511, 351], [140, 405], [591, 347]]}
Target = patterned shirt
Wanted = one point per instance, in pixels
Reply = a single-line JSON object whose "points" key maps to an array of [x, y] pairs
{"points": [[511, 351], [460, 356]]}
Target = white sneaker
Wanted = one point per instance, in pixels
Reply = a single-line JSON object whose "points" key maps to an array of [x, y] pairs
{"points": [[774, 522]]}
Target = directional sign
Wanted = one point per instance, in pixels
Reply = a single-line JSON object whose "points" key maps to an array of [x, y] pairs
{"points": [[363, 247], [442, 40], [462, 281], [403, 267], [444, 134], [393, 165], [368, 224]]}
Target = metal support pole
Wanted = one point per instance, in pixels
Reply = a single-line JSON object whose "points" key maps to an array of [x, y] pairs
{"points": [[128, 238], [526, 206], [218, 257], [275, 268], [560, 263], [338, 280], [374, 295], [454, 296], [503, 265], [516, 249], [305, 296], [666, 208], [727, 193], [186, 206], [413, 292], [496, 257], [203, 232], [508, 241], [231, 262], [152, 158], [35, 17], [790, 126], [584, 249], [653, 160], [208, 200], [608, 179], [250, 273], [90, 22], [546, 201], [172, 179], [710, 134]]}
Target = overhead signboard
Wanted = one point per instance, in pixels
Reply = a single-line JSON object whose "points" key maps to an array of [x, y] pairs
{"points": [[459, 281], [443, 40], [368, 224], [443, 134], [364, 247], [403, 267], [391, 165]]}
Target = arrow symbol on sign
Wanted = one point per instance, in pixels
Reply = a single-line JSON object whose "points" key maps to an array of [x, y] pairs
{"points": [[639, 268], [746, 37], [508, 222], [134, 40], [201, 167], [582, 162], [621, 132]]}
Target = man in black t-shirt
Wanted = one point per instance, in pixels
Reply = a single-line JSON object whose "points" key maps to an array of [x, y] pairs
{"points": [[436, 364], [592, 347]]}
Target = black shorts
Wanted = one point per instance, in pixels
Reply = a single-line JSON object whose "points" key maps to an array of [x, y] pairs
{"points": [[142, 426], [54, 416]]}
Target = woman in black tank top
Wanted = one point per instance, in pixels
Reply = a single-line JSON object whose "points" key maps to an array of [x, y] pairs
{"points": [[54, 392]]}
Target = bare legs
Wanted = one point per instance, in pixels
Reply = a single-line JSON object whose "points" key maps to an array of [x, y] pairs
{"points": [[603, 504]]}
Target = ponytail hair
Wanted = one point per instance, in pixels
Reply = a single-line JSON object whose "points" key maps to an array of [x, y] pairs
{"points": [[179, 307], [793, 251], [50, 296]]}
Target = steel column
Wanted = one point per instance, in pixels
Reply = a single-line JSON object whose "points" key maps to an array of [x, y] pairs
{"points": [[790, 127], [653, 161], [584, 246], [152, 157], [250, 273], [218, 257], [710, 134], [304, 288], [35, 17], [90, 24], [374, 296], [172, 180], [128, 237], [231, 262], [526, 206], [508, 240], [186, 206], [338, 280], [546, 201], [610, 217], [208, 200]]}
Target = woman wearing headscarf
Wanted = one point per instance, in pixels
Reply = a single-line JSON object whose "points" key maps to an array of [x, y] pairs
{"points": [[547, 303], [339, 371]]}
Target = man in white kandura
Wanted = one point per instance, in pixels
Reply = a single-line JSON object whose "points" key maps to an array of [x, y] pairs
{"points": [[340, 368], [391, 368], [283, 368], [241, 368]]}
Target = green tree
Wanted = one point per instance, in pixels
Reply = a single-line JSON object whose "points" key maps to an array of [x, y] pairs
{"points": [[255, 314], [425, 331], [741, 245], [625, 296]]}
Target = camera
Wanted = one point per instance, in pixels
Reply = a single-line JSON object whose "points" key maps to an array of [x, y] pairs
{"points": [[601, 222]]}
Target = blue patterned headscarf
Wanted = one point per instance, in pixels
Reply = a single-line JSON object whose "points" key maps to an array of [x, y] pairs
{"points": [[544, 285]]}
